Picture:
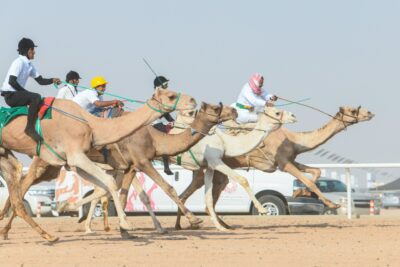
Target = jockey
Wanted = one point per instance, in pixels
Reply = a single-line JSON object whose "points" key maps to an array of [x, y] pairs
{"points": [[13, 89], [160, 82], [252, 100], [69, 91], [92, 100]]}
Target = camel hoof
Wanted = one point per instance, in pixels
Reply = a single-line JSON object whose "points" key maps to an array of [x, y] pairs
{"points": [[89, 232], [196, 221], [5, 236], [178, 227], [62, 206], [194, 227], [125, 235], [52, 239], [123, 224], [223, 229], [107, 228], [162, 231]]}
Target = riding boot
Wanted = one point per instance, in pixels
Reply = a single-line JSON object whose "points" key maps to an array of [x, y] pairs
{"points": [[167, 170], [32, 117]]}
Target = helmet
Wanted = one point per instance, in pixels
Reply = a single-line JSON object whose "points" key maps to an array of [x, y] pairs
{"points": [[159, 81], [97, 81], [24, 45], [72, 75]]}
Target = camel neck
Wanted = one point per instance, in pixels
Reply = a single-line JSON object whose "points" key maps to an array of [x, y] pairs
{"points": [[173, 144], [306, 141]]}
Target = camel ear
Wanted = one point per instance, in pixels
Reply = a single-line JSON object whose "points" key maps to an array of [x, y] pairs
{"points": [[341, 110], [203, 106]]}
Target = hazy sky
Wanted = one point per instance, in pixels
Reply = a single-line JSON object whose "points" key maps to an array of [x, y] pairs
{"points": [[335, 52]]}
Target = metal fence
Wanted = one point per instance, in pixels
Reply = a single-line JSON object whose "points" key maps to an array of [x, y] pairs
{"points": [[347, 167]]}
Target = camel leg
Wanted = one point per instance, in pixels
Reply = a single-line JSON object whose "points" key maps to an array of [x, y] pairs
{"points": [[197, 183], [11, 170], [97, 176], [38, 171], [104, 205], [290, 168], [88, 222], [220, 181], [208, 177], [146, 201], [315, 172], [105, 202], [169, 190], [220, 166]]}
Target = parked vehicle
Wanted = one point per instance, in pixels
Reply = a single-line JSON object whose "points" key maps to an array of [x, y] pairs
{"points": [[37, 200], [390, 200], [336, 191], [274, 191]]}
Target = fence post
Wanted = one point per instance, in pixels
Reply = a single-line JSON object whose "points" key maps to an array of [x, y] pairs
{"points": [[348, 182]]}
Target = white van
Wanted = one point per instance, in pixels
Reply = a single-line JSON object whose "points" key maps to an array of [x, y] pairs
{"points": [[273, 190]]}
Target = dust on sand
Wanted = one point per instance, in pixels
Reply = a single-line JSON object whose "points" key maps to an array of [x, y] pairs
{"points": [[256, 241]]}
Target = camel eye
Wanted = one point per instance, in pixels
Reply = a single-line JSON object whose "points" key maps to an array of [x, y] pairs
{"points": [[353, 112], [171, 97], [191, 113], [277, 113]]}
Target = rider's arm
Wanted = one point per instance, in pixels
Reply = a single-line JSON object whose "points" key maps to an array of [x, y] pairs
{"points": [[42, 81], [103, 104], [14, 83]]}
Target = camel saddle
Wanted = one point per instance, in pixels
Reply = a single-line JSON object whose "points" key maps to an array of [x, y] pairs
{"points": [[8, 114]]}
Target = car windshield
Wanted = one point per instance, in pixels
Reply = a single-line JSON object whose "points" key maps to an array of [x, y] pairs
{"points": [[331, 186]]}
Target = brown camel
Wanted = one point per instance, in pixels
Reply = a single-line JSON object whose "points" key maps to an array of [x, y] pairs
{"points": [[136, 152], [71, 133], [279, 150]]}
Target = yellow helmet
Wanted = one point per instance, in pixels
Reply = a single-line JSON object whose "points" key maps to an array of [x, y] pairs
{"points": [[97, 81]]}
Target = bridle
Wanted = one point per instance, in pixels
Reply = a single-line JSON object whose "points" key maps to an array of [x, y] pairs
{"points": [[161, 106]]}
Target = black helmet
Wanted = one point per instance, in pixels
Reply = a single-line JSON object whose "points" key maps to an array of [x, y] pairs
{"points": [[24, 45], [159, 81], [72, 75]]}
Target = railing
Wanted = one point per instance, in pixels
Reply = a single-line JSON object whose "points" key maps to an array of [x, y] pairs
{"points": [[347, 168]]}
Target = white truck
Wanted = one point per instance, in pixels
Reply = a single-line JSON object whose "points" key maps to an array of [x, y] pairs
{"points": [[272, 190]]}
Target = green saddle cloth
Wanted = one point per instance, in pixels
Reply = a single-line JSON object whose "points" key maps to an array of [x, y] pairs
{"points": [[8, 114]]}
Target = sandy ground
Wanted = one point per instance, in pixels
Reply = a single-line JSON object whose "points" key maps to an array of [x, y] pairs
{"points": [[256, 241]]}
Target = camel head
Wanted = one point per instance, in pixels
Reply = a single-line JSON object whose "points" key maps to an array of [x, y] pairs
{"points": [[350, 115], [211, 113], [279, 116], [218, 113], [167, 100]]}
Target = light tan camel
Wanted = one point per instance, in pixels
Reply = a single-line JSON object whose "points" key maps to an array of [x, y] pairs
{"points": [[136, 152], [279, 150], [71, 133]]}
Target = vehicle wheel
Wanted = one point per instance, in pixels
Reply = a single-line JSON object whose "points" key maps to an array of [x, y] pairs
{"points": [[274, 205], [28, 209], [112, 211], [330, 212]]}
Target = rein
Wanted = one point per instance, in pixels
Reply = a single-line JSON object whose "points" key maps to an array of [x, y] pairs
{"points": [[327, 114]]}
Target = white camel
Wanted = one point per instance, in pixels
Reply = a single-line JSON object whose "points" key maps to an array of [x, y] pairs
{"points": [[208, 153]]}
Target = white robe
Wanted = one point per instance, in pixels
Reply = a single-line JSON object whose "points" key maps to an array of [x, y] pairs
{"points": [[248, 98]]}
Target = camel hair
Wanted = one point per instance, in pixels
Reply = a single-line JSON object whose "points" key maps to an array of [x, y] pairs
{"points": [[279, 151], [71, 133], [136, 152]]}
